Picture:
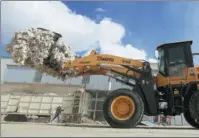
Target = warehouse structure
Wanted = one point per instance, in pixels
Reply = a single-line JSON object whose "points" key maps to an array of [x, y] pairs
{"points": [[37, 94]]}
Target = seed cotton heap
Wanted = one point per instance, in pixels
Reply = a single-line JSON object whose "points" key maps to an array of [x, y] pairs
{"points": [[39, 49]]}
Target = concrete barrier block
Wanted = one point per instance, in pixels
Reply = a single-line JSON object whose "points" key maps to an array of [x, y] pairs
{"points": [[15, 96], [44, 111], [45, 106], [23, 109], [33, 111], [3, 104], [54, 106], [36, 99], [46, 99], [5, 97], [22, 104], [13, 102], [3, 110], [57, 100], [11, 108], [26, 98], [35, 106]]}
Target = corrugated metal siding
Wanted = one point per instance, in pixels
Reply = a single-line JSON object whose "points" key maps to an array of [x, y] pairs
{"points": [[98, 82]]}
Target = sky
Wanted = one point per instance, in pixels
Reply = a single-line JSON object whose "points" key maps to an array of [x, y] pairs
{"points": [[127, 29]]}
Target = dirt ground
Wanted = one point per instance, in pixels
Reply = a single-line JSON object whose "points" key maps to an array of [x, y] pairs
{"points": [[52, 130]]}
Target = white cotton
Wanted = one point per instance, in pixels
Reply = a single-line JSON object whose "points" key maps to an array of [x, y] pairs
{"points": [[37, 49]]}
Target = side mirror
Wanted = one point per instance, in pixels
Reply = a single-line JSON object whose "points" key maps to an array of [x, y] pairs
{"points": [[156, 54]]}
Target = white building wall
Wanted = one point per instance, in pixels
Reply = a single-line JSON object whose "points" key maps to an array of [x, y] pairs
{"points": [[4, 63]]}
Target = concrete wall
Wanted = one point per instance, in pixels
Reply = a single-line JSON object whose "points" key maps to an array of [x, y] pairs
{"points": [[30, 104], [44, 104], [42, 99]]}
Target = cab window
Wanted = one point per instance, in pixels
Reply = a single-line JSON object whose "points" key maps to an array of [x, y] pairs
{"points": [[176, 55], [161, 62], [177, 61]]}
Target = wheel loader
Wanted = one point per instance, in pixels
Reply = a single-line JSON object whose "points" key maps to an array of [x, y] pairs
{"points": [[173, 91]]}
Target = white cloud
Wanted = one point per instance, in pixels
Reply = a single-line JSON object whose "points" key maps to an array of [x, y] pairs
{"points": [[78, 31], [100, 10]]}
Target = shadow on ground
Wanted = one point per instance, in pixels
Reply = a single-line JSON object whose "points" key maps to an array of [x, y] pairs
{"points": [[139, 127], [104, 126]]}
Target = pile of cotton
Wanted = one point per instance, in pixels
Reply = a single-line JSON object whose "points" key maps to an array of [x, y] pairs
{"points": [[42, 50]]}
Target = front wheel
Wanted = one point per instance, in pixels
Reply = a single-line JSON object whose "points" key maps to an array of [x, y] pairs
{"points": [[192, 114], [123, 108]]}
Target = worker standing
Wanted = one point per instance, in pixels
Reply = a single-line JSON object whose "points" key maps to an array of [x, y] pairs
{"points": [[57, 113]]}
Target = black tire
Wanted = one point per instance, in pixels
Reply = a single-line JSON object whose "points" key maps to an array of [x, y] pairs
{"points": [[134, 120], [190, 120], [192, 114]]}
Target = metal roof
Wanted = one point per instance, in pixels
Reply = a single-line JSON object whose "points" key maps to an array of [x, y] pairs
{"points": [[175, 43]]}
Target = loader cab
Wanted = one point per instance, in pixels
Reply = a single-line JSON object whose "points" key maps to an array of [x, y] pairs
{"points": [[173, 59]]}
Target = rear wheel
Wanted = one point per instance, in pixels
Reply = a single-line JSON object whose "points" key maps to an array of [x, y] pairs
{"points": [[190, 120], [192, 114], [123, 109]]}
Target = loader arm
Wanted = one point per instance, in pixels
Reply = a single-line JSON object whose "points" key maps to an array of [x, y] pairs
{"points": [[103, 64]]}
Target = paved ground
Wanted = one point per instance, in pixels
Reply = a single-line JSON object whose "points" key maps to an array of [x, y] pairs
{"points": [[52, 130]]}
